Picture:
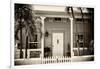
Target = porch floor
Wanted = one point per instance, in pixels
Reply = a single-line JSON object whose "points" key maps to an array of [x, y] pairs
{"points": [[31, 61]]}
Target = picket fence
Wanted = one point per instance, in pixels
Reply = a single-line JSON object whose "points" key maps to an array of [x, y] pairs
{"points": [[62, 59]]}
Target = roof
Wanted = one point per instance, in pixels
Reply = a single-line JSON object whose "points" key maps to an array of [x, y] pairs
{"points": [[51, 10]]}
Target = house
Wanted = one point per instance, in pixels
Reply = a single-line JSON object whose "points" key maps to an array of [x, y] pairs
{"points": [[63, 34]]}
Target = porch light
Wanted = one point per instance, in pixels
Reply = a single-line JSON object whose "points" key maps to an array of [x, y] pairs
{"points": [[46, 33]]}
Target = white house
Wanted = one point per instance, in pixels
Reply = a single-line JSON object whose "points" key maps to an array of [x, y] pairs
{"points": [[64, 38]]}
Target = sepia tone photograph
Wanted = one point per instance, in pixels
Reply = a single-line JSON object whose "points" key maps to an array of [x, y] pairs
{"points": [[45, 34]]}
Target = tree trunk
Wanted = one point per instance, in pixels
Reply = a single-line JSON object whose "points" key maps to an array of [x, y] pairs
{"points": [[21, 45], [26, 47], [72, 12]]}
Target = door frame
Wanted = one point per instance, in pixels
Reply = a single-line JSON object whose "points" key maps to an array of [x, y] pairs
{"points": [[58, 31]]}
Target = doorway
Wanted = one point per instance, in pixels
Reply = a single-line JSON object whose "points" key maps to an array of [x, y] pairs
{"points": [[57, 42]]}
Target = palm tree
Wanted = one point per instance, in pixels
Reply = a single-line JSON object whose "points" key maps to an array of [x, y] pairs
{"points": [[72, 12], [25, 24]]}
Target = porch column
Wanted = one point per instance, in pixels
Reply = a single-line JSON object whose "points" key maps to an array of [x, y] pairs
{"points": [[72, 53], [42, 40]]}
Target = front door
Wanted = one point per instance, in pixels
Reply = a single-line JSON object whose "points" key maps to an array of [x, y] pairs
{"points": [[57, 42]]}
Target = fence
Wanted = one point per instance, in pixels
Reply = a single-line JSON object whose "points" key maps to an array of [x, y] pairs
{"points": [[57, 59]]}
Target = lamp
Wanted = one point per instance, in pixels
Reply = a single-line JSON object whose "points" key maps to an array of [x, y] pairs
{"points": [[46, 33]]}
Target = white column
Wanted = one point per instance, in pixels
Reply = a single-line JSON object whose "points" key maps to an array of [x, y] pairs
{"points": [[42, 40], [71, 21]]}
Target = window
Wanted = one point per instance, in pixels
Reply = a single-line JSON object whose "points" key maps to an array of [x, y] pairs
{"points": [[78, 44], [57, 19], [81, 44], [36, 43], [79, 20]]}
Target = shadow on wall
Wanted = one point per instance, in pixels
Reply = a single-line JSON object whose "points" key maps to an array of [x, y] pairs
{"points": [[68, 52], [47, 51]]}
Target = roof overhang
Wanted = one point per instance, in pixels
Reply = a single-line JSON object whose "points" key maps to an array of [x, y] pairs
{"points": [[58, 11]]}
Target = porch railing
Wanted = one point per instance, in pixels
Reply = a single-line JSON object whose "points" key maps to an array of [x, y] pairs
{"points": [[61, 59]]}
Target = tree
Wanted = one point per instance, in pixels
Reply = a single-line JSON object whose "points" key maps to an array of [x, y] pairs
{"points": [[72, 12], [24, 25]]}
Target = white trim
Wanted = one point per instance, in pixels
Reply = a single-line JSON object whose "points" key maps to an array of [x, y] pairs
{"points": [[80, 48], [27, 59], [12, 35], [33, 42], [29, 49], [62, 16], [42, 40], [72, 53]]}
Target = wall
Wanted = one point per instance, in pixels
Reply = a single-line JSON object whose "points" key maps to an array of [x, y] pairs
{"points": [[53, 26], [78, 28]]}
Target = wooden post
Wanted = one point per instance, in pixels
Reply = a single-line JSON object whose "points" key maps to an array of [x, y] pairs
{"points": [[72, 53], [42, 40]]}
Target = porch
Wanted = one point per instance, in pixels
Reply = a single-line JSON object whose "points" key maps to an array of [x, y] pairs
{"points": [[49, 60], [39, 55]]}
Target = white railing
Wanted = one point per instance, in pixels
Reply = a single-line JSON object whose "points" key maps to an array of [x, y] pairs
{"points": [[56, 59]]}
